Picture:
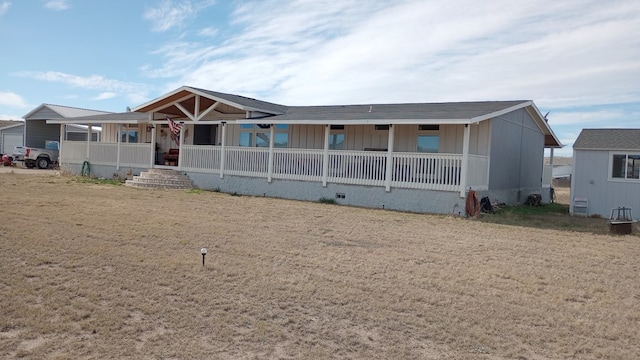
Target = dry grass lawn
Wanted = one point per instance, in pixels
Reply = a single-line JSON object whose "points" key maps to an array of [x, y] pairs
{"points": [[104, 271]]}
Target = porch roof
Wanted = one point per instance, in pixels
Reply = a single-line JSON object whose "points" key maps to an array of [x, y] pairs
{"points": [[129, 117]]}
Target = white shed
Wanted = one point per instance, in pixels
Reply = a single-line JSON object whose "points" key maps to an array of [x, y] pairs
{"points": [[606, 171]]}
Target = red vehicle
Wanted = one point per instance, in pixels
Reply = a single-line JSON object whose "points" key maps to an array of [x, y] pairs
{"points": [[7, 160]]}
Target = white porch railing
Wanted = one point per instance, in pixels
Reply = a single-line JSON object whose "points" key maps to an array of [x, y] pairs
{"points": [[131, 155], [409, 170]]}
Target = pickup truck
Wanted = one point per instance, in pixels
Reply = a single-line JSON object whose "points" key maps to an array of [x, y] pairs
{"points": [[32, 157]]}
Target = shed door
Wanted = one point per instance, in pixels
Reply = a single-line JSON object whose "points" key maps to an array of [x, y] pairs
{"points": [[9, 141]]}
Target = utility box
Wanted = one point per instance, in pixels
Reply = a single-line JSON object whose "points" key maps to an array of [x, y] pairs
{"points": [[621, 221]]}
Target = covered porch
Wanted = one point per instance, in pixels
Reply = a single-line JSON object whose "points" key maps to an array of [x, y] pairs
{"points": [[388, 169]]}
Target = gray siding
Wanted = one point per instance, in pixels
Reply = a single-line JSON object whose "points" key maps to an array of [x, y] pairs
{"points": [[517, 153], [38, 131], [18, 130], [591, 180]]}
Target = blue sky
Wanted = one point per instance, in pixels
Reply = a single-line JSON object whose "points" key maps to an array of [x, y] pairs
{"points": [[579, 60]]}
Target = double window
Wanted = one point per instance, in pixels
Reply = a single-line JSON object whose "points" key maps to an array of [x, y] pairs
{"points": [[257, 135], [625, 166], [129, 133]]}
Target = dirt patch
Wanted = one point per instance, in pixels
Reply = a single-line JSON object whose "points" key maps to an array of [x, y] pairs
{"points": [[92, 270]]}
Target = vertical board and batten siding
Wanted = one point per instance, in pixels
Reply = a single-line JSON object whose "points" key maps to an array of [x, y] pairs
{"points": [[591, 180], [37, 132], [517, 152], [360, 137]]}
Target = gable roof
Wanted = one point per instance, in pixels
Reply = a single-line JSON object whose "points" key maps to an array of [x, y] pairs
{"points": [[62, 111], [608, 139], [240, 102], [8, 124]]}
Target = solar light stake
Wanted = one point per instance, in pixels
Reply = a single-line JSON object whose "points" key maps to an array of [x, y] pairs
{"points": [[203, 251]]}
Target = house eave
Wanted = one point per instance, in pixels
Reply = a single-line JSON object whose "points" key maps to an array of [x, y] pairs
{"points": [[266, 120]]}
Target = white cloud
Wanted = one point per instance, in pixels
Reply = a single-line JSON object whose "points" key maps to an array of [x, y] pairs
{"points": [[133, 91], [105, 96], [559, 54], [170, 13], [57, 5], [208, 32], [12, 99], [4, 7]]}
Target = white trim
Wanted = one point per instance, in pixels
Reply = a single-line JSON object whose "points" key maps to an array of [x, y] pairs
{"points": [[325, 155], [12, 126], [82, 122], [494, 114], [465, 161], [223, 141], [390, 166], [626, 179], [358, 121]]}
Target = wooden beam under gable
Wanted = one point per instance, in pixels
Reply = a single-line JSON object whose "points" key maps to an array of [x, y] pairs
{"points": [[173, 103], [208, 110], [185, 111]]}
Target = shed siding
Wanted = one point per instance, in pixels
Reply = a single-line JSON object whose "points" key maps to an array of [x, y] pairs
{"points": [[517, 152], [44, 114], [17, 130], [38, 131], [591, 180]]}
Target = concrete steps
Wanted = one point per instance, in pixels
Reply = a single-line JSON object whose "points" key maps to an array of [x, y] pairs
{"points": [[161, 179]]}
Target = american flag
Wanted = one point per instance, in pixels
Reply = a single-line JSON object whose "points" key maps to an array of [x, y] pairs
{"points": [[174, 127]]}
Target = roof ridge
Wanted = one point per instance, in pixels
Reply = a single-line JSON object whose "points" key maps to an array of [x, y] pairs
{"points": [[75, 107]]}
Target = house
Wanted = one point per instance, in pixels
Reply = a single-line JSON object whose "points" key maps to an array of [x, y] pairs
{"points": [[37, 131], [11, 134], [421, 157], [606, 171]]}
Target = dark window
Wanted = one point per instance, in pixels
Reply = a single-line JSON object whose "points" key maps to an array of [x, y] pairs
{"points": [[429, 127], [382, 127]]}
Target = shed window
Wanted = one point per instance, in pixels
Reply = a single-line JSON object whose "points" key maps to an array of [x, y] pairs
{"points": [[625, 166]]}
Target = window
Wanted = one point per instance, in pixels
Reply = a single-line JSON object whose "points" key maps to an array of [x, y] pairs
{"points": [[336, 137], [129, 134], [258, 135], [381, 127], [625, 166], [428, 138], [428, 143], [336, 141], [428, 127]]}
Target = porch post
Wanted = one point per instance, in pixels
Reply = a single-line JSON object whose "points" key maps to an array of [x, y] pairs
{"points": [[152, 161], [181, 152], [389, 174], [551, 157], [119, 139], [325, 155], [465, 161], [88, 142], [271, 144], [222, 143], [62, 138]]}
